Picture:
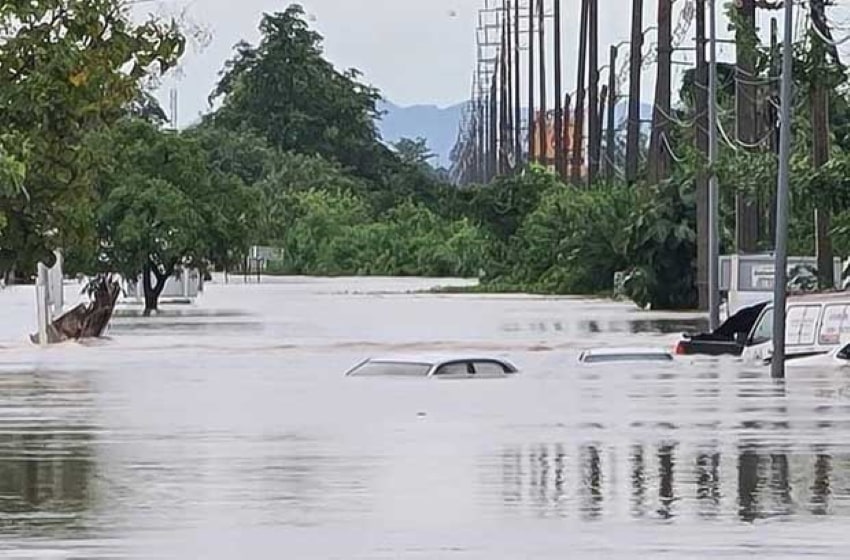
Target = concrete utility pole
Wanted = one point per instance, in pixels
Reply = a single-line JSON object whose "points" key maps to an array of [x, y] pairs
{"points": [[578, 120], [559, 110], [819, 110], [746, 93], [713, 189], [509, 95], [544, 125], [593, 98], [777, 365], [531, 157], [701, 141], [612, 107], [600, 122], [517, 90], [493, 166], [659, 155], [633, 126], [504, 112], [566, 126]]}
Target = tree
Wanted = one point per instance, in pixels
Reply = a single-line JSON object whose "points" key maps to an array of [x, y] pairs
{"points": [[70, 67], [163, 205], [284, 89], [414, 151]]}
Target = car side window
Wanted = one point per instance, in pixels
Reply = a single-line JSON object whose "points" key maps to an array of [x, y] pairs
{"points": [[454, 368], [764, 329], [489, 368]]}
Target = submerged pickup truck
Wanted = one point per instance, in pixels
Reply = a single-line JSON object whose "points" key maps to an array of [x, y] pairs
{"points": [[729, 339]]}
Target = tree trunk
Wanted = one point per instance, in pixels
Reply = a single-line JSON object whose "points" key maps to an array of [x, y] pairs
{"points": [[746, 211], [701, 141], [819, 100], [153, 291]]}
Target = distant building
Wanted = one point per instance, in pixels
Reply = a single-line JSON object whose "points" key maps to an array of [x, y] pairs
{"points": [[546, 154]]}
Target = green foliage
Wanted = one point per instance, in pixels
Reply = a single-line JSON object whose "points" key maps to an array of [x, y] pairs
{"points": [[70, 68], [287, 91], [332, 233], [163, 200], [574, 241]]}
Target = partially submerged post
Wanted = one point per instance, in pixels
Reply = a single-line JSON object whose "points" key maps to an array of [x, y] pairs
{"points": [[83, 321], [777, 365]]}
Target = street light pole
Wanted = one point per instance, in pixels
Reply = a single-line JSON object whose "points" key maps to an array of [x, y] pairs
{"points": [[777, 365], [713, 195]]}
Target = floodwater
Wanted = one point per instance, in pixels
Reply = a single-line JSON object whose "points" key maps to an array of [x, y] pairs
{"points": [[226, 430]]}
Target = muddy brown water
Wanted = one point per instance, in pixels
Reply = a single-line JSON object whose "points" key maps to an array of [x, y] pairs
{"points": [[226, 430]]}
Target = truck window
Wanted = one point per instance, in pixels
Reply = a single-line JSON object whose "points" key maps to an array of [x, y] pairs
{"points": [[800, 324], [836, 322], [764, 328]]}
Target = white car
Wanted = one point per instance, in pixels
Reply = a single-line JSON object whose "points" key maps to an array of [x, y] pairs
{"points": [[625, 355], [838, 358], [443, 367]]}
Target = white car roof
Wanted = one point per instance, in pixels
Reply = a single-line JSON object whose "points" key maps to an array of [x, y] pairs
{"points": [[618, 351], [436, 358]]}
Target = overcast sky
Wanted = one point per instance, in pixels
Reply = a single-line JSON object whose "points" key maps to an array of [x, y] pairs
{"points": [[414, 51]]}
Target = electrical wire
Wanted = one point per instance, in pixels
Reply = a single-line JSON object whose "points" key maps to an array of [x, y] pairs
{"points": [[666, 143]]}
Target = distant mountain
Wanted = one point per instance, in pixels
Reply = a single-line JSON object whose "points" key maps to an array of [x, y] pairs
{"points": [[439, 126]]}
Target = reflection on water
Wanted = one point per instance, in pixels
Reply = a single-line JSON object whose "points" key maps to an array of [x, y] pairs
{"points": [[46, 450], [765, 483], [45, 480], [206, 431]]}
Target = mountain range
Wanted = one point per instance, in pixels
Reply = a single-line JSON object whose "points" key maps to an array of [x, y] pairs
{"points": [[439, 125]]}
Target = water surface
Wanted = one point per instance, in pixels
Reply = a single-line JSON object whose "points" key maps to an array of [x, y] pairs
{"points": [[225, 430]]}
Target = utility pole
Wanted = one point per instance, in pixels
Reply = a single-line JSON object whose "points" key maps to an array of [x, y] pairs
{"points": [[504, 112], [773, 117], [481, 168], [701, 141], [507, 48], [600, 123], [659, 156], [777, 364], [577, 135], [633, 126], [565, 131], [559, 110], [544, 124], [517, 92], [531, 157], [713, 190], [612, 107], [593, 97], [819, 110], [746, 211], [494, 129]]}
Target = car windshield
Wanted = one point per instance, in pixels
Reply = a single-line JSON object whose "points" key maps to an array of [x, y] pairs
{"points": [[392, 369], [641, 357]]}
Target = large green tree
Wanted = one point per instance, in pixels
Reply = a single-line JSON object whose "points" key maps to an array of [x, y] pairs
{"points": [[287, 91], [163, 203], [70, 67]]}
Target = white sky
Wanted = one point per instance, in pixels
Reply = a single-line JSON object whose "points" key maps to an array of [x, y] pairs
{"points": [[414, 51]]}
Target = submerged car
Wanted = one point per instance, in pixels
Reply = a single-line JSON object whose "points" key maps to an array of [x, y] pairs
{"points": [[444, 367], [729, 339], [625, 355], [837, 358]]}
